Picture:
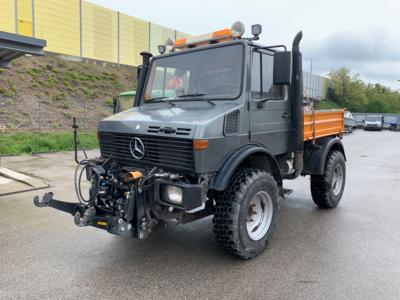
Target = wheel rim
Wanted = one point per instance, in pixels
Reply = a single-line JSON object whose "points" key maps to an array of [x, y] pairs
{"points": [[337, 180], [259, 215]]}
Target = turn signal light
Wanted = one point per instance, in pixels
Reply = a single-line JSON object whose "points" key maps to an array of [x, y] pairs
{"points": [[200, 144]]}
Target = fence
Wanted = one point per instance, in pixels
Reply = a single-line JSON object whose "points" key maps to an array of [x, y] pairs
{"points": [[82, 29], [36, 115], [388, 119]]}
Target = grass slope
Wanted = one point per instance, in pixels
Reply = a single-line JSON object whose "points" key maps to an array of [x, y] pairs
{"points": [[64, 90]]}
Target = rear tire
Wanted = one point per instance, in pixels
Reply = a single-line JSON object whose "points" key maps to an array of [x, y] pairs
{"points": [[246, 213], [327, 190]]}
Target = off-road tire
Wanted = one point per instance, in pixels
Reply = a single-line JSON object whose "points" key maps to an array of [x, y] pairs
{"points": [[230, 215], [321, 185]]}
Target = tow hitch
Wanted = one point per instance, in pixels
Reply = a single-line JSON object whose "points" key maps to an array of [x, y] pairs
{"points": [[85, 215]]}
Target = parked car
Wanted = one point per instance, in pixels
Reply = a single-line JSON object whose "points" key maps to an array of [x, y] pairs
{"points": [[373, 122], [349, 122]]}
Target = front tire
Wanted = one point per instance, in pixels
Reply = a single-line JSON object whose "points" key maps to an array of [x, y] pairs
{"points": [[246, 213], [327, 190]]}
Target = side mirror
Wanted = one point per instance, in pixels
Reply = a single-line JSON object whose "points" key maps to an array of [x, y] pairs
{"points": [[138, 69], [282, 68]]}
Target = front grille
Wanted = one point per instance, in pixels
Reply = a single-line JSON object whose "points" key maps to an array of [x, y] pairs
{"points": [[164, 152]]}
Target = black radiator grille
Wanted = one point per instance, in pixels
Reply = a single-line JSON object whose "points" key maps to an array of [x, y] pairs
{"points": [[164, 152]]}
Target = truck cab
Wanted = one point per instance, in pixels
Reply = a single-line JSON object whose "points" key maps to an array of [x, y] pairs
{"points": [[217, 126]]}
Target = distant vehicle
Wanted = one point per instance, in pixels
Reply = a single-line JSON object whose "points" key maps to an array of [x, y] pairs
{"points": [[349, 122], [373, 123], [123, 101]]}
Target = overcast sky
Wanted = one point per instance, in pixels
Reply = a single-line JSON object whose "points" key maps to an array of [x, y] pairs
{"points": [[363, 36]]}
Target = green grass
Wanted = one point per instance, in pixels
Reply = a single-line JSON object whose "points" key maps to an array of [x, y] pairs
{"points": [[325, 104], [23, 143]]}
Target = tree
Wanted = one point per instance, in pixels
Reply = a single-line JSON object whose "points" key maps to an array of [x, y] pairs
{"points": [[351, 92]]}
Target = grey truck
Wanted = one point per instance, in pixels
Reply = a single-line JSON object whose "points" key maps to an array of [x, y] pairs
{"points": [[216, 128]]}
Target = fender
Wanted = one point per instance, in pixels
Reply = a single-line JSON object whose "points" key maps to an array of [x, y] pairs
{"points": [[225, 173], [315, 155]]}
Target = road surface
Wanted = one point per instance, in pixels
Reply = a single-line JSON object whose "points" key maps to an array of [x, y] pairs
{"points": [[351, 252]]}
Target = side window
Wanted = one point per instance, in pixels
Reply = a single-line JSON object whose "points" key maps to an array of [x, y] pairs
{"points": [[262, 78], [256, 76]]}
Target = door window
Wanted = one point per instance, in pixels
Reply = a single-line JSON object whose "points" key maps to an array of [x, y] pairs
{"points": [[262, 86]]}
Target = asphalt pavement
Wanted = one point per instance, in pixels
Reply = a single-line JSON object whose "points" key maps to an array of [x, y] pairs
{"points": [[351, 252]]}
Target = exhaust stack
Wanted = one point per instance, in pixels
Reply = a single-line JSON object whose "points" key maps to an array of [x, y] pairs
{"points": [[297, 107], [142, 71]]}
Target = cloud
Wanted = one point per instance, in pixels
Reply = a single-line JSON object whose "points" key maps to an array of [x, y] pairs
{"points": [[372, 53]]}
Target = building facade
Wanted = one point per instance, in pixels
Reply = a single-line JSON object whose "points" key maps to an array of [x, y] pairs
{"points": [[84, 30]]}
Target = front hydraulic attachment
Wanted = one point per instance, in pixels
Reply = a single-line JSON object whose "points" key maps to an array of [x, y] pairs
{"points": [[83, 215]]}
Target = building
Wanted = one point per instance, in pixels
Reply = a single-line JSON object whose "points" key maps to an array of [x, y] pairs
{"points": [[81, 29]]}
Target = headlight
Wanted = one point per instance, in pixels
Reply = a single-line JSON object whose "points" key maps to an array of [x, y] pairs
{"points": [[173, 194]]}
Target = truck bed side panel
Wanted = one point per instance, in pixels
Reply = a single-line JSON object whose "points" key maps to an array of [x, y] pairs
{"points": [[321, 123]]}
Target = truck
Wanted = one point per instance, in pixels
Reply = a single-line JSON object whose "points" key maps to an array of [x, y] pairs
{"points": [[216, 129]]}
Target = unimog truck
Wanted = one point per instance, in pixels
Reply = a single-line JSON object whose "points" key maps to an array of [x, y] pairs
{"points": [[216, 128]]}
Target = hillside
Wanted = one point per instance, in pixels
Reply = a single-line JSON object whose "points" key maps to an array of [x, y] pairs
{"points": [[43, 94]]}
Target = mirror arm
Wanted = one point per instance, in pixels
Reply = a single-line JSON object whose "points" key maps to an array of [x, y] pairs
{"points": [[261, 102]]}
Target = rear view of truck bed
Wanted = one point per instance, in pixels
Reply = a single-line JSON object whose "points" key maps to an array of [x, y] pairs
{"points": [[321, 123]]}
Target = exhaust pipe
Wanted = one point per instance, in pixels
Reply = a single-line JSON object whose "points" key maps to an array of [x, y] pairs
{"points": [[142, 71], [297, 107]]}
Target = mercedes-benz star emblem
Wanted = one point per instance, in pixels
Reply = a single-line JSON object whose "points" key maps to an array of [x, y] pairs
{"points": [[137, 148]]}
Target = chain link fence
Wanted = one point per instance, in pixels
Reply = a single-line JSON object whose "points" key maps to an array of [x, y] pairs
{"points": [[48, 115]]}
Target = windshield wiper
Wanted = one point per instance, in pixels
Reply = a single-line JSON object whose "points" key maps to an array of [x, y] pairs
{"points": [[156, 99], [160, 100], [191, 95], [194, 95]]}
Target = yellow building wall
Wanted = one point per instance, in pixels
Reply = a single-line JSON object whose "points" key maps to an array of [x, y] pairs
{"points": [[158, 36], [57, 21], [7, 16], [24, 8], [134, 38], [100, 33]]}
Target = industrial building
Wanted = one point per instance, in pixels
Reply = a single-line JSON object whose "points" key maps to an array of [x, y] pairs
{"points": [[78, 28]]}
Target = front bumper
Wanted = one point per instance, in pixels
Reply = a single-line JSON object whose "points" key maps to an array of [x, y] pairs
{"points": [[137, 221]]}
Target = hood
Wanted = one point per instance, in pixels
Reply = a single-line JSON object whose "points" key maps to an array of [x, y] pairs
{"points": [[373, 122], [182, 120]]}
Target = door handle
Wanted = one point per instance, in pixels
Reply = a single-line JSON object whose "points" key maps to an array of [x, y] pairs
{"points": [[285, 115]]}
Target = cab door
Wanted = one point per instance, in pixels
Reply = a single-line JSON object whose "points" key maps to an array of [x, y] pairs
{"points": [[269, 121]]}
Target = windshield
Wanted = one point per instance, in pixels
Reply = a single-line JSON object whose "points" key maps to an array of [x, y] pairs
{"points": [[374, 118], [205, 74]]}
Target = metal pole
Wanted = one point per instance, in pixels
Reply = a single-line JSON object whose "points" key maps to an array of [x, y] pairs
{"points": [[311, 79], [80, 30], [39, 116], [149, 36], [33, 19], [16, 15], [119, 40]]}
